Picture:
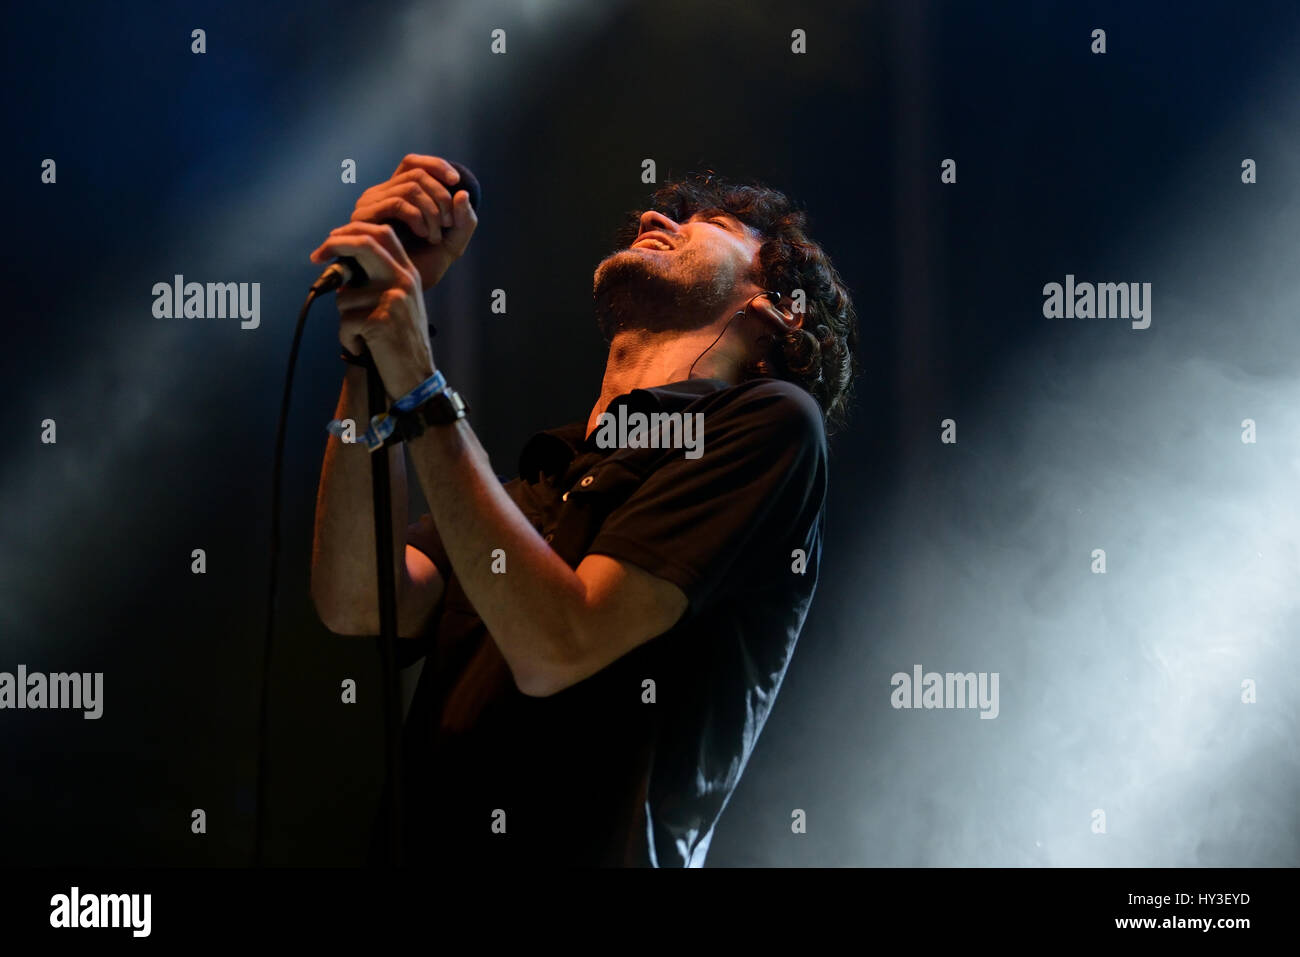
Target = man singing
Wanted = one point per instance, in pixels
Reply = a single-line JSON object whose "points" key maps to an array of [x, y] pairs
{"points": [[604, 635]]}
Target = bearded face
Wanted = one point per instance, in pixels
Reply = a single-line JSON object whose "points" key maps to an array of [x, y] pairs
{"points": [[675, 276]]}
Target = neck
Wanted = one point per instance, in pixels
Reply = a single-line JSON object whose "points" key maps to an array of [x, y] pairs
{"points": [[641, 360]]}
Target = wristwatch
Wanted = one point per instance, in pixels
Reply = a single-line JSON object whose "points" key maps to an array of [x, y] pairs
{"points": [[442, 408]]}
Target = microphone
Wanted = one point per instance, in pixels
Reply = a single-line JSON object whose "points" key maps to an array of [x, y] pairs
{"points": [[347, 271]]}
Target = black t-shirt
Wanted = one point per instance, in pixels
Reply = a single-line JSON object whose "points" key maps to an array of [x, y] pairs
{"points": [[633, 765]]}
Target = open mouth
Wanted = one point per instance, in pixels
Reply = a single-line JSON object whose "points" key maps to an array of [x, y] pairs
{"points": [[651, 243]]}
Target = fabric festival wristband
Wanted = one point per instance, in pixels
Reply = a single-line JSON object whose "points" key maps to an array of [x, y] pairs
{"points": [[422, 393], [383, 425]]}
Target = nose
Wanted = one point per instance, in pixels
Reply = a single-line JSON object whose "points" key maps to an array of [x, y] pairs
{"points": [[651, 220]]}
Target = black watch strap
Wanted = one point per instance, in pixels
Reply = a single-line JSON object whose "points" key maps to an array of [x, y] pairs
{"points": [[444, 408]]}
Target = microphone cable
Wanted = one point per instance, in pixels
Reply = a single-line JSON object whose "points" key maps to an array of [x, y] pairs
{"points": [[264, 713], [328, 281]]}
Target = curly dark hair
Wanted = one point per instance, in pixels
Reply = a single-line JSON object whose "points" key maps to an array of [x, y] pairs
{"points": [[820, 356]]}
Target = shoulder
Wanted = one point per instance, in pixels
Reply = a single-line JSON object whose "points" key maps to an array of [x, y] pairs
{"points": [[770, 409]]}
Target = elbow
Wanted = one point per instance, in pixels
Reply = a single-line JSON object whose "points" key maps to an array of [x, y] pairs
{"points": [[342, 628], [336, 623], [352, 620], [549, 673], [335, 615], [532, 686], [537, 682]]}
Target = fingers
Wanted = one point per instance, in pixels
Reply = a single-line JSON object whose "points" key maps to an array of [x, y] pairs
{"points": [[419, 213], [432, 172], [415, 198], [435, 165], [422, 196], [375, 247], [434, 189]]}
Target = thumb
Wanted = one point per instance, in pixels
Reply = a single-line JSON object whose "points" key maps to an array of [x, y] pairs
{"points": [[457, 238]]}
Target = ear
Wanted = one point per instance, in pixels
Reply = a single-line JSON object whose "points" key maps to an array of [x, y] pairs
{"points": [[778, 313]]}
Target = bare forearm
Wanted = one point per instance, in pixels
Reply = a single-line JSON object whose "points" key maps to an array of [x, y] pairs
{"points": [[343, 579], [386, 317], [531, 608]]}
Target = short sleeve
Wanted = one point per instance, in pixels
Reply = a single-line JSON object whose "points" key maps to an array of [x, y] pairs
{"points": [[759, 483]]}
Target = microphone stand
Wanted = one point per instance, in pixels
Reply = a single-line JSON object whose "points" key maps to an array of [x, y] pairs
{"points": [[381, 493], [383, 512]]}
